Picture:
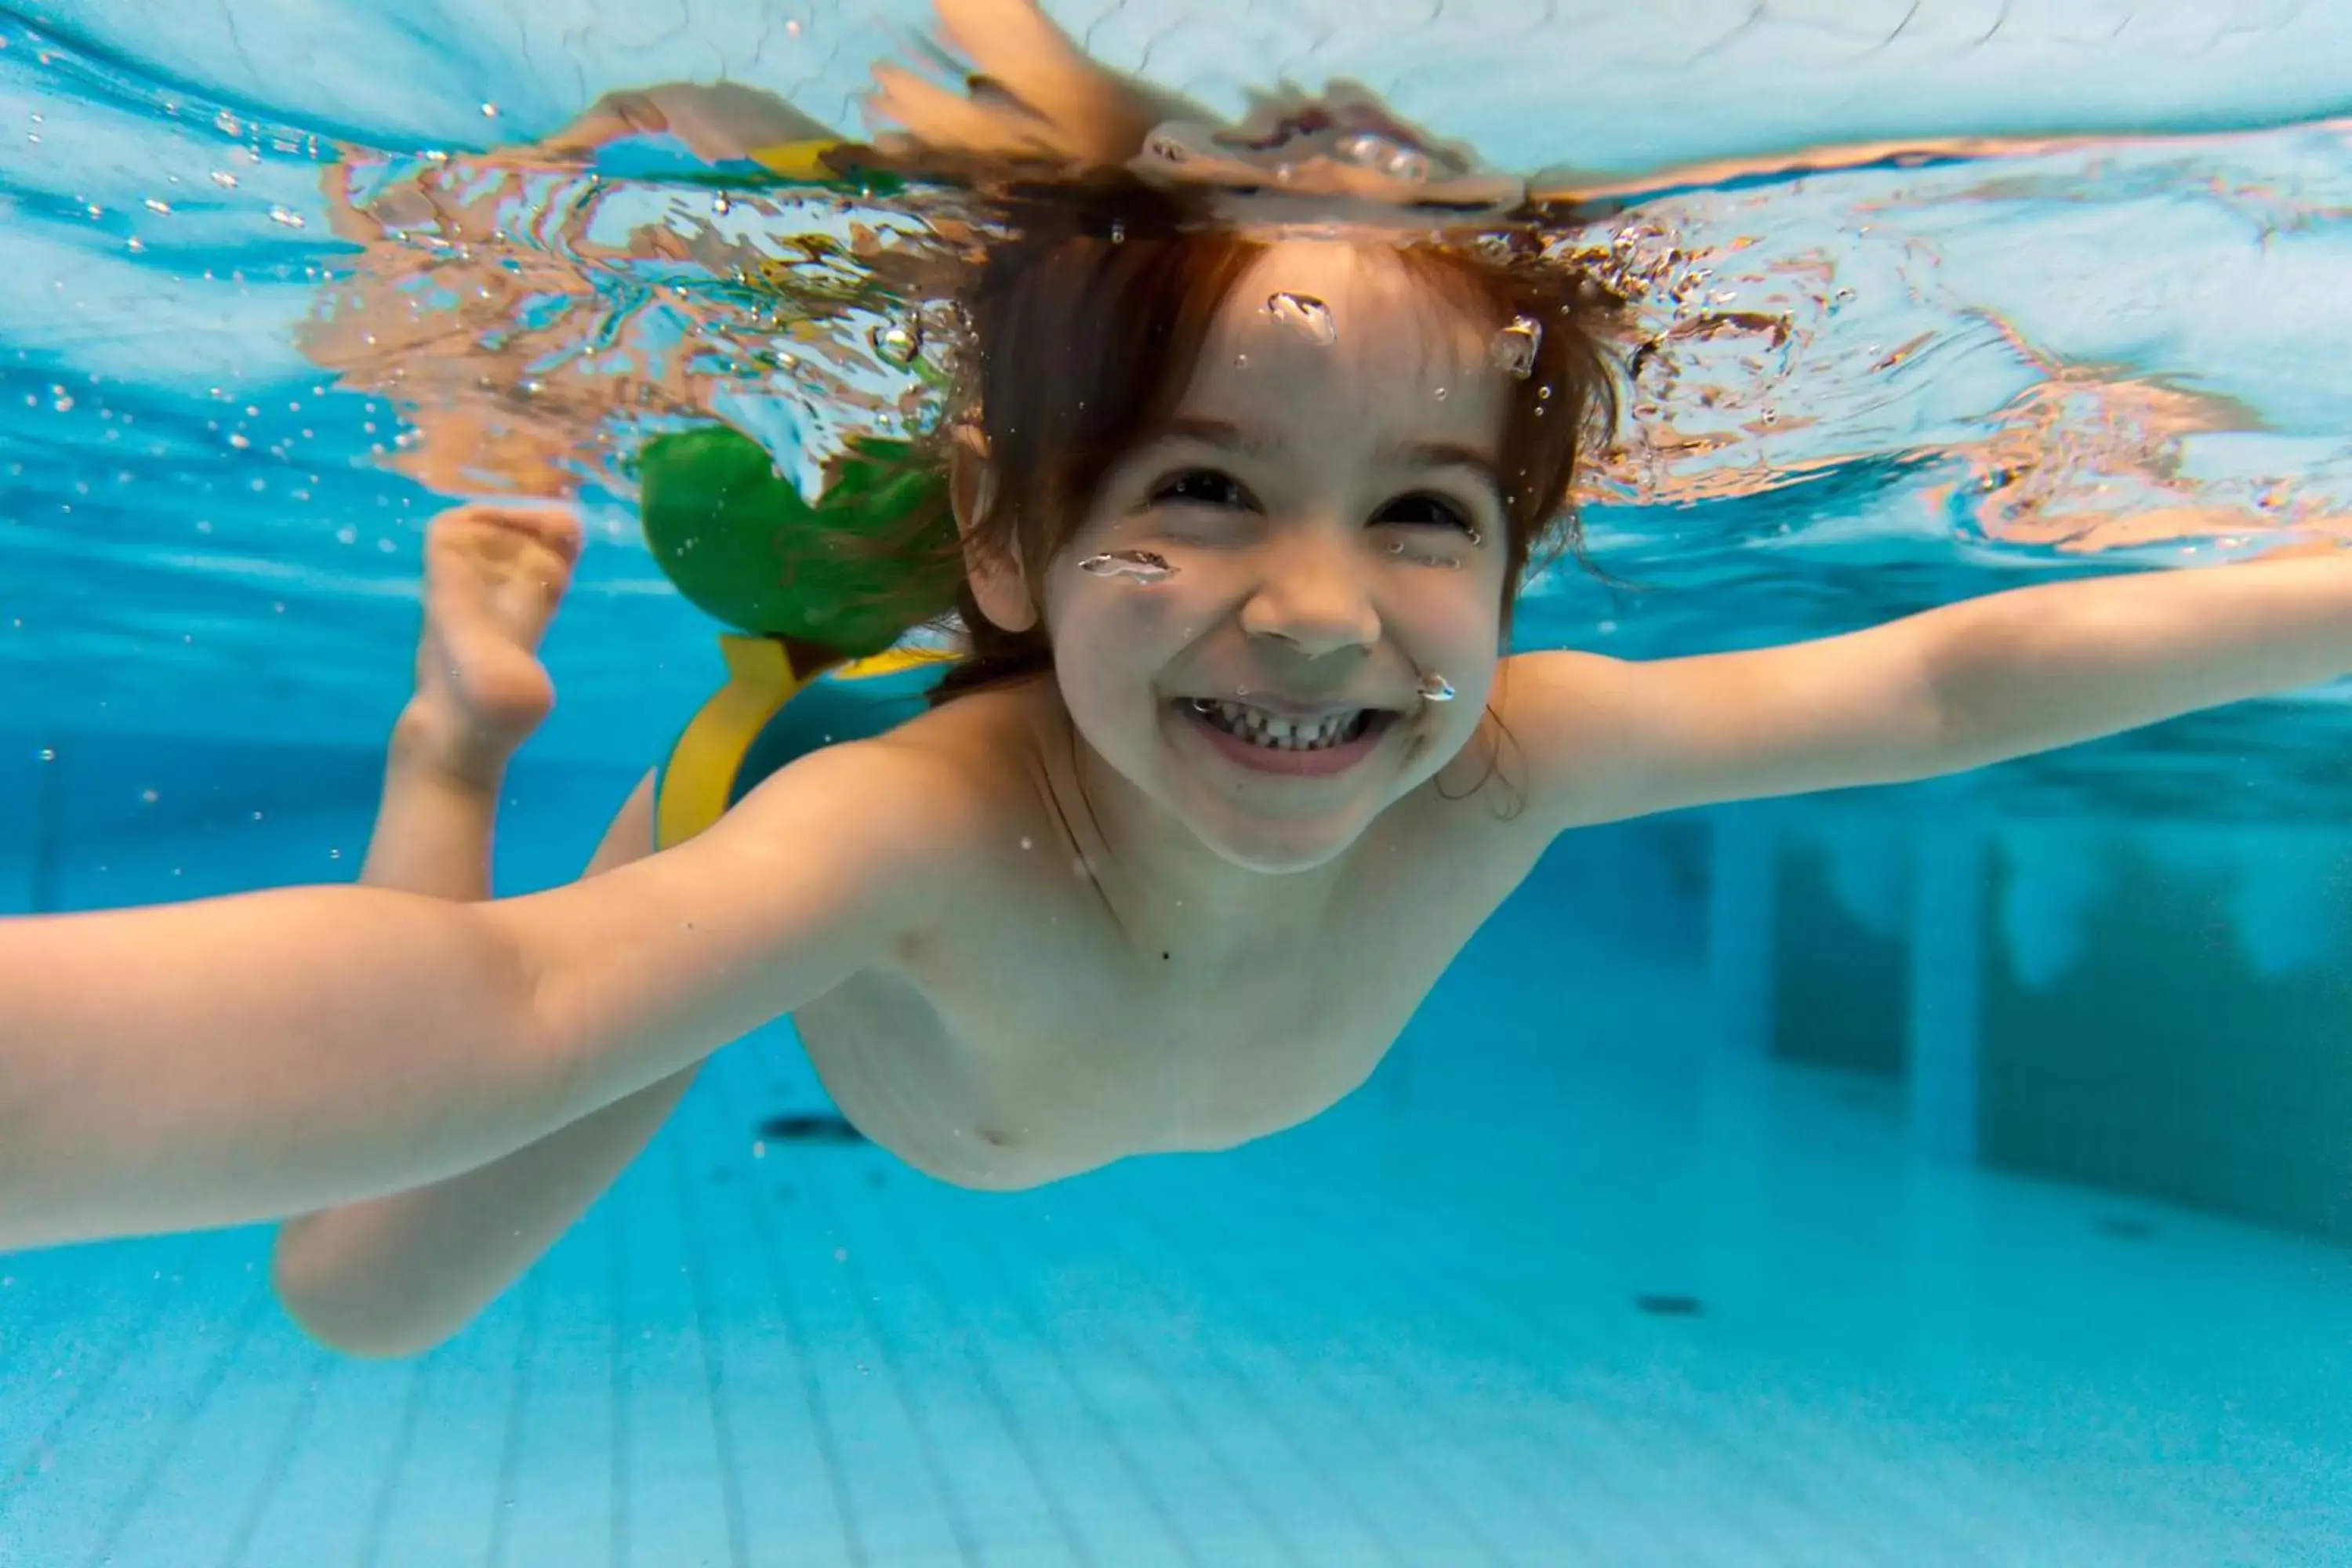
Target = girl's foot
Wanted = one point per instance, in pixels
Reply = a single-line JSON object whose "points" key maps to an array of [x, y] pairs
{"points": [[493, 577]]}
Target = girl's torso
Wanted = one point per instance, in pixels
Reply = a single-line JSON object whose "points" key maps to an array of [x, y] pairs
{"points": [[1041, 1030]]}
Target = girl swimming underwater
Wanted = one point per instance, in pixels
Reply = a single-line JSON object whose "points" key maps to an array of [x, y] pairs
{"points": [[1236, 764]]}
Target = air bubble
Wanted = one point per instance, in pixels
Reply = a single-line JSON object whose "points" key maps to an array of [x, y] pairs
{"points": [[898, 343], [1515, 346], [1390, 158], [1141, 566], [1436, 688], [1304, 314]]}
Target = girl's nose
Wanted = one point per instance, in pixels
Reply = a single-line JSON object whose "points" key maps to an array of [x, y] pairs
{"points": [[1312, 595]]}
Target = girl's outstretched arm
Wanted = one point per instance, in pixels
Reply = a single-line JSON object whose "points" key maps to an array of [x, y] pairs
{"points": [[1954, 688], [248, 1058]]}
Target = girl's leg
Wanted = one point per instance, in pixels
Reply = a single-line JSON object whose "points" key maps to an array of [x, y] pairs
{"points": [[393, 1275], [493, 577]]}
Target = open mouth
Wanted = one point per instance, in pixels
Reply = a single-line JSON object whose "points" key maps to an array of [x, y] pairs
{"points": [[1325, 742], [1274, 733]]}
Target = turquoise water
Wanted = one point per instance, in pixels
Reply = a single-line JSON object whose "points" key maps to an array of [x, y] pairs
{"points": [[1954, 1175]]}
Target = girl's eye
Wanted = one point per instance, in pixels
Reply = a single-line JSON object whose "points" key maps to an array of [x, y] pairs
{"points": [[1424, 510], [1203, 487]]}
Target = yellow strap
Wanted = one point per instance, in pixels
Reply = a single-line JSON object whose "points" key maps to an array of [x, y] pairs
{"points": [[700, 779], [891, 660], [797, 160]]}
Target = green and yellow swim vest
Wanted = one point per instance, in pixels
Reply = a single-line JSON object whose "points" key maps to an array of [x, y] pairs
{"points": [[811, 659]]}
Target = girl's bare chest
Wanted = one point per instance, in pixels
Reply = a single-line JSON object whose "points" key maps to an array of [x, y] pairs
{"points": [[1037, 1053]]}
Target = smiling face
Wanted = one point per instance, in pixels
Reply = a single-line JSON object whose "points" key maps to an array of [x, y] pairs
{"points": [[1324, 494]]}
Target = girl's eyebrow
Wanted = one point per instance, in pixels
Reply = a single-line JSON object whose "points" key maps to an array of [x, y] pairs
{"points": [[1447, 455], [1222, 432]]}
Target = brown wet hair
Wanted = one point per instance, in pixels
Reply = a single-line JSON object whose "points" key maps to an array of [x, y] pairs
{"points": [[1084, 326]]}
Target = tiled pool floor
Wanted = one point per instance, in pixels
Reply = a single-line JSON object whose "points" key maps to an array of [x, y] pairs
{"points": [[1531, 1302]]}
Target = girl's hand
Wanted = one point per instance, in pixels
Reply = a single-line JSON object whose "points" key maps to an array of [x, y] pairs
{"points": [[1031, 96]]}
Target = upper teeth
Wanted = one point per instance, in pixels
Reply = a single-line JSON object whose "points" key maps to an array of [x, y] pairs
{"points": [[1264, 729]]}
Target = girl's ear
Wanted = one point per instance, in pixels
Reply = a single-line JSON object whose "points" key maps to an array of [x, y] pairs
{"points": [[999, 585]]}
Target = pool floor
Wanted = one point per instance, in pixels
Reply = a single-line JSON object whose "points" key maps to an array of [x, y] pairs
{"points": [[1607, 1300]]}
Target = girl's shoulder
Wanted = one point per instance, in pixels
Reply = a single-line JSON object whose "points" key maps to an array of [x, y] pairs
{"points": [[968, 763]]}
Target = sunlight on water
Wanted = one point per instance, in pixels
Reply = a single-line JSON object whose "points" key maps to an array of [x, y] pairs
{"points": [[288, 278]]}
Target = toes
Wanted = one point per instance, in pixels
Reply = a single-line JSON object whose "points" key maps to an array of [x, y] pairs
{"points": [[502, 536], [556, 527]]}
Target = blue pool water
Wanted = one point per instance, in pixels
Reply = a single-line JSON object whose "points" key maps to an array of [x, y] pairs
{"points": [[1950, 1175]]}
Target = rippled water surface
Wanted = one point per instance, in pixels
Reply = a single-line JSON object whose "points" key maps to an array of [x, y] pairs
{"points": [[2071, 302]]}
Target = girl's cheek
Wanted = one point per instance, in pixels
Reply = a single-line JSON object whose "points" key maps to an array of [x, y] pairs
{"points": [[1118, 622]]}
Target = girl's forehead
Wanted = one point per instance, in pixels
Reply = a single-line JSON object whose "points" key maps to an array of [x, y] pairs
{"points": [[1327, 291], [1334, 322]]}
